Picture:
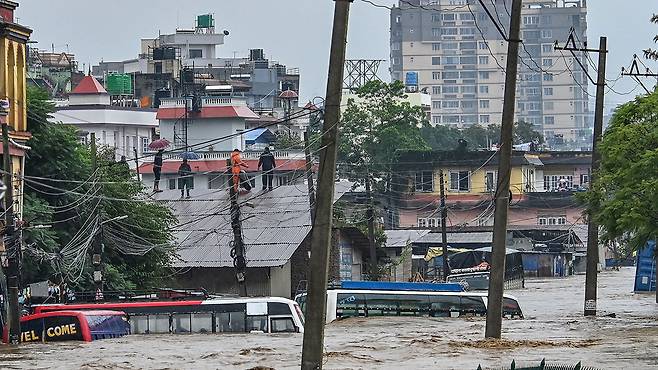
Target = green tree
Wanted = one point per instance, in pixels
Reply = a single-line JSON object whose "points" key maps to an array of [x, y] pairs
{"points": [[524, 132], [287, 140], [624, 198], [374, 127], [651, 53], [63, 192]]}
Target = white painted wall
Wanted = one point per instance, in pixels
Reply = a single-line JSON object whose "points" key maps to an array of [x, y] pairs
{"points": [[201, 130]]}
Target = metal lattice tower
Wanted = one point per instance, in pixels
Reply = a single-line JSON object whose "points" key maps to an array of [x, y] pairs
{"points": [[358, 72]]}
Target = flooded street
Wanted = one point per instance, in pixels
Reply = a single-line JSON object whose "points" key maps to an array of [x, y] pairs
{"points": [[624, 335]]}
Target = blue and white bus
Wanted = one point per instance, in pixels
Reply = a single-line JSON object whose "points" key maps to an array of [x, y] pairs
{"points": [[378, 299]]}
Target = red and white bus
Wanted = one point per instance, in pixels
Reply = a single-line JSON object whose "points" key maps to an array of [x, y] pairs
{"points": [[72, 325], [215, 315]]}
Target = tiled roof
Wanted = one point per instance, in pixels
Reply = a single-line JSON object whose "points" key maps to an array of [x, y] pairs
{"points": [[88, 85], [207, 112], [274, 224]]}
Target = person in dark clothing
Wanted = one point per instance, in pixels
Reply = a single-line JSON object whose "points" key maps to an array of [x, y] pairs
{"points": [[157, 170], [185, 180], [268, 164]]}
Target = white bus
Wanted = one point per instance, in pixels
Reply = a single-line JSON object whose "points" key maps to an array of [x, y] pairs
{"points": [[342, 303], [215, 315]]}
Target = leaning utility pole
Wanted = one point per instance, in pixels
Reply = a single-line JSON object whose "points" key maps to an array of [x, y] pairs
{"points": [[316, 300], [592, 226], [497, 274], [237, 251], [309, 175], [12, 245], [444, 234]]}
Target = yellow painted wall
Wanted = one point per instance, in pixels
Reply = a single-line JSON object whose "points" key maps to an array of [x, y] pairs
{"points": [[12, 82], [478, 183]]}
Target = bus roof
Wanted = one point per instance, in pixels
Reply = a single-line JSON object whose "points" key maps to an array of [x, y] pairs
{"points": [[401, 286]]}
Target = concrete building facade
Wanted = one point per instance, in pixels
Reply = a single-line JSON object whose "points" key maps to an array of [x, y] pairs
{"points": [[454, 50]]}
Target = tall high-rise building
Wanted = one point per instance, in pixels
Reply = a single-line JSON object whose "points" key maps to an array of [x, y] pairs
{"points": [[454, 50]]}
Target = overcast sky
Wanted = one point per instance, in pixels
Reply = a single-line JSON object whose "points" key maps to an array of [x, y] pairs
{"points": [[293, 32]]}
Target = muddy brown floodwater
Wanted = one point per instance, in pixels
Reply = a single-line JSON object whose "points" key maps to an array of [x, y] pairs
{"points": [[554, 329]]}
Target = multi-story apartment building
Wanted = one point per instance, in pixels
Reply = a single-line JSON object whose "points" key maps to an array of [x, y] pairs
{"points": [[454, 50]]}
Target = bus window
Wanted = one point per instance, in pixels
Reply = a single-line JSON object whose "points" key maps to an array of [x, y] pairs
{"points": [[181, 322], [444, 305], [382, 304], [414, 305], [278, 308], [159, 324], [58, 328], [350, 305], [107, 326], [139, 324], [282, 325], [257, 323], [473, 306], [201, 322], [511, 308], [230, 322]]}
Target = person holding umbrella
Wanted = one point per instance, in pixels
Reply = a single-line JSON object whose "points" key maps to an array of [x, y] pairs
{"points": [[185, 180], [157, 170]]}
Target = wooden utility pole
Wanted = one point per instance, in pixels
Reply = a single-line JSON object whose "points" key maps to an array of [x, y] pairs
{"points": [[237, 251], [309, 175], [136, 163], [444, 233], [316, 300], [497, 275], [12, 245], [592, 227]]}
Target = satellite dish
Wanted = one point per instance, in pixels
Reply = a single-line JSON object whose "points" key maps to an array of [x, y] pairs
{"points": [[225, 32]]}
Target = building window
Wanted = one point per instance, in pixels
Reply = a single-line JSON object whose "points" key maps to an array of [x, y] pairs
{"points": [[449, 16], [450, 89], [430, 222], [584, 179], [484, 75], [546, 19], [546, 48], [450, 46], [552, 220], [450, 104], [395, 46], [547, 34], [468, 104], [436, 104], [450, 75], [482, 45], [484, 104], [436, 46], [424, 181], [436, 90], [548, 77], [467, 74], [468, 89], [483, 59], [549, 120], [547, 62], [145, 145], [448, 31], [196, 53], [548, 91], [530, 19], [436, 18], [451, 60], [436, 32], [436, 61], [436, 119], [558, 182], [484, 89], [484, 118], [460, 180], [490, 179], [436, 75], [467, 31]]}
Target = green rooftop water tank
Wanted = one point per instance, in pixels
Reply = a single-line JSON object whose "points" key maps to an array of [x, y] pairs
{"points": [[205, 21], [115, 84]]}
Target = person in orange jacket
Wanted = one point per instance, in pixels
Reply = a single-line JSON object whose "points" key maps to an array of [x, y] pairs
{"points": [[236, 164]]}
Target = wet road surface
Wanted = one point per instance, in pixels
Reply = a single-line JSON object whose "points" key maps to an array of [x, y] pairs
{"points": [[554, 329]]}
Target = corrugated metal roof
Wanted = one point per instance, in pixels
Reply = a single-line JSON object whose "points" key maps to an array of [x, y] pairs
{"points": [[400, 238], [458, 238], [274, 224]]}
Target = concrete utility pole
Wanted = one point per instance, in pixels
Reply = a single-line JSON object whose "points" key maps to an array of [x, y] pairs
{"points": [[592, 227], [370, 215], [12, 245], [444, 234], [97, 249], [238, 252], [136, 163], [316, 300], [309, 175], [497, 275]]}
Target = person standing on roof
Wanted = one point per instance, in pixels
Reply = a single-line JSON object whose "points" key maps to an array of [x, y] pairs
{"points": [[185, 180], [267, 162], [236, 169], [157, 170]]}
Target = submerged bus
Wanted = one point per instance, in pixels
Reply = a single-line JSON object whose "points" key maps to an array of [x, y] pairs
{"points": [[382, 301], [72, 325], [215, 315]]}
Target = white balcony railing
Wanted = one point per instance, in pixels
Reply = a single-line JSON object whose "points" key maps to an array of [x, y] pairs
{"points": [[215, 101], [278, 154]]}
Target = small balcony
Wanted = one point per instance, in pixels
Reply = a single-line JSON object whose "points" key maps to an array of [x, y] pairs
{"points": [[208, 101]]}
